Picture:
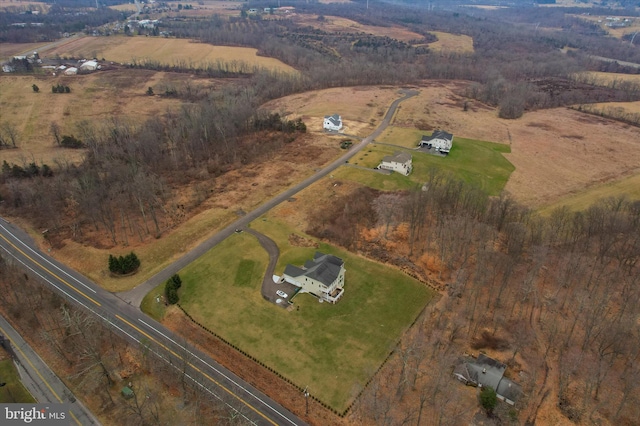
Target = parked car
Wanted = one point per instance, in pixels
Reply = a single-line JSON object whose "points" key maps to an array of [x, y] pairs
{"points": [[282, 294]]}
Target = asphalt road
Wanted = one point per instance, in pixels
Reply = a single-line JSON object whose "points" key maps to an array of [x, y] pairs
{"points": [[122, 312], [135, 296], [40, 381], [239, 397]]}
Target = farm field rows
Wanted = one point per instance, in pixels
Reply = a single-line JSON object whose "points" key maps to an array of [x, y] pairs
{"points": [[168, 51], [333, 349]]}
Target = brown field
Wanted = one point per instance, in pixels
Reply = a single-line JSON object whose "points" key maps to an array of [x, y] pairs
{"points": [[361, 108], [556, 152], [129, 7], [22, 4], [448, 42], [614, 108], [167, 51], [338, 24], [633, 24], [606, 78], [204, 8], [7, 50], [98, 96]]}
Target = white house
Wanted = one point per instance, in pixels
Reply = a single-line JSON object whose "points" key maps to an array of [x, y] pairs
{"points": [[439, 140], [323, 277], [332, 122], [399, 162]]}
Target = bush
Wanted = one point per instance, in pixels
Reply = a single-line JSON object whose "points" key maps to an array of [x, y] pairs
{"points": [[488, 399], [70, 141], [123, 265], [171, 289]]}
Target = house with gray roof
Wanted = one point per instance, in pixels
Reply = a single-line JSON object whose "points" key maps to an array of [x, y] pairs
{"points": [[485, 371], [332, 122], [323, 276], [439, 140], [399, 162]]}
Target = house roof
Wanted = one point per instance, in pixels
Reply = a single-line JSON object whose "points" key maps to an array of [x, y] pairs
{"points": [[438, 134], [399, 157], [485, 371], [324, 268], [334, 119]]}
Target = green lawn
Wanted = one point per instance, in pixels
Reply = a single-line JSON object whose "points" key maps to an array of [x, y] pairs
{"points": [[477, 162], [333, 349], [13, 391]]}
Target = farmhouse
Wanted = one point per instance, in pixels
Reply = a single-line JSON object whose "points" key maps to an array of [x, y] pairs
{"points": [[399, 162], [332, 122], [439, 140], [485, 371], [323, 277]]}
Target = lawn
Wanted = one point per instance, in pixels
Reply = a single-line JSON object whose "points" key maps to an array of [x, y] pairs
{"points": [[477, 162], [13, 391], [333, 349]]}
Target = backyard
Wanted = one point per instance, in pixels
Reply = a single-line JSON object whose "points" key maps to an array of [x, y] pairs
{"points": [[315, 345]]}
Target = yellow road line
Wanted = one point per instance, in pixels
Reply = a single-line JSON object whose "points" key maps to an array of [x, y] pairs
{"points": [[49, 271], [39, 375], [198, 370]]}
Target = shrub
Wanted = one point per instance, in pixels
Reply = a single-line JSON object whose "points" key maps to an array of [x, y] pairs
{"points": [[124, 264], [488, 399], [171, 289]]}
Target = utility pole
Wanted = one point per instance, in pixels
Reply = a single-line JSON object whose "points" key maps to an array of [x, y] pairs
{"points": [[306, 399]]}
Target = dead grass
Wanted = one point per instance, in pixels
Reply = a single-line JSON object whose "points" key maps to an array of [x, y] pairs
{"points": [[448, 42], [613, 109], [606, 78], [98, 96], [8, 50], [556, 152], [166, 51], [239, 190], [24, 4], [362, 108], [338, 24]]}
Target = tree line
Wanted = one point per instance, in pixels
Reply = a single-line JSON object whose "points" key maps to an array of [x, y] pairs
{"points": [[557, 293]]}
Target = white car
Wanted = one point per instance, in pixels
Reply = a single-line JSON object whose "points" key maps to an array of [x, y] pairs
{"points": [[282, 294]]}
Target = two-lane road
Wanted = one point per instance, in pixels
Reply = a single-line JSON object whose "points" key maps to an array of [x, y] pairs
{"points": [[122, 311], [237, 394]]}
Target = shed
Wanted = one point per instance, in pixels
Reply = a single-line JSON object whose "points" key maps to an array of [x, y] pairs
{"points": [[127, 392]]}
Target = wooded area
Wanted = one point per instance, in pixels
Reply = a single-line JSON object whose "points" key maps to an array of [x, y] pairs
{"points": [[556, 295]]}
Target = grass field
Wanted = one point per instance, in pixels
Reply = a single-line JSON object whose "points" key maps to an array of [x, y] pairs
{"points": [[629, 187], [448, 42], [476, 162], [13, 391], [606, 78], [339, 24], [333, 349], [168, 51], [94, 97]]}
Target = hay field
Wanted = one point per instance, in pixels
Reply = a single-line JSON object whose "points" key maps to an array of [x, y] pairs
{"points": [[24, 4], [128, 7], [164, 50], [448, 42], [338, 24], [606, 78], [94, 97], [633, 24], [7, 50], [613, 109], [555, 152], [362, 108]]}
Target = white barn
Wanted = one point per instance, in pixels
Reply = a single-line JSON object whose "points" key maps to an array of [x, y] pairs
{"points": [[399, 162], [332, 122], [439, 140]]}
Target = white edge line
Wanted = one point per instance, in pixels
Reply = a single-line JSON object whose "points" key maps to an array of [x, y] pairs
{"points": [[122, 330], [217, 371], [46, 260]]}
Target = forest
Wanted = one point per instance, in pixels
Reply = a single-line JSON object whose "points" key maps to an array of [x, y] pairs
{"points": [[558, 294]]}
